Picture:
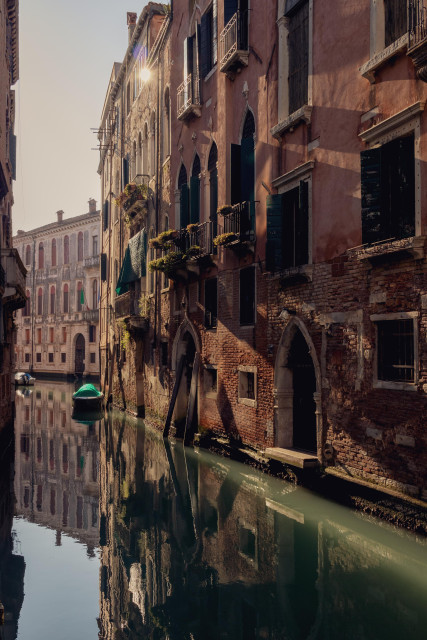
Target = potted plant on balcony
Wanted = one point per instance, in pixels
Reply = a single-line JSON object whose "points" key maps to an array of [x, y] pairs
{"points": [[192, 227], [224, 210], [225, 239], [170, 264]]}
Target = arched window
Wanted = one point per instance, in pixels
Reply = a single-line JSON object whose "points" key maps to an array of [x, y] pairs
{"points": [[41, 256], [52, 300], [95, 294], [166, 125], [28, 255], [53, 253], [79, 296], [213, 185], [195, 191], [80, 246], [66, 250], [40, 301], [247, 166], [145, 151], [27, 309], [65, 298], [184, 199]]}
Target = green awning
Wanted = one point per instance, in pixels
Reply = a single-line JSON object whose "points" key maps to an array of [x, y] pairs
{"points": [[134, 262]]}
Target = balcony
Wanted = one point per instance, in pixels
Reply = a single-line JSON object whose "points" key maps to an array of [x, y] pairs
{"points": [[128, 309], [93, 261], [238, 231], [188, 98], [417, 25], [391, 250], [91, 315], [133, 198], [15, 273], [233, 45]]}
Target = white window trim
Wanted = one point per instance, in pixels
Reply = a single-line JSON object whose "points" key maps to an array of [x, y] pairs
{"points": [[288, 120], [249, 402], [368, 69], [406, 121], [389, 384]]}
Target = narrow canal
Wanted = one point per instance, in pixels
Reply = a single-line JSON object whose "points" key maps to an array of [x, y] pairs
{"points": [[108, 532]]}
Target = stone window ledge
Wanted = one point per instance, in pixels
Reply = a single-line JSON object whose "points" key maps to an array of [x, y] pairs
{"points": [[397, 386], [393, 250], [301, 115], [248, 402], [370, 67]]}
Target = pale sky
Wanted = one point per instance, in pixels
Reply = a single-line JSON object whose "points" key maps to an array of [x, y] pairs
{"points": [[67, 51]]}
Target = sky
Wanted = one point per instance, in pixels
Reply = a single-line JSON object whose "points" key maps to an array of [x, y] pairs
{"points": [[67, 51]]}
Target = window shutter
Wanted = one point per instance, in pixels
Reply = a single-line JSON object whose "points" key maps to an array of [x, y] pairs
{"points": [[188, 57], [213, 198], [403, 223], [105, 215], [370, 161], [125, 171], [301, 226], [204, 45], [194, 199], [235, 174], [273, 255], [247, 176], [290, 213], [184, 205], [103, 267], [214, 32], [230, 8], [197, 45], [12, 153]]}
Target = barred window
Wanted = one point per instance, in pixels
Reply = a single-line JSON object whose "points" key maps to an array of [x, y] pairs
{"points": [[396, 360]]}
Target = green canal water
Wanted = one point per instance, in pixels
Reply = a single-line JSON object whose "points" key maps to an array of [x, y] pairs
{"points": [[107, 531]]}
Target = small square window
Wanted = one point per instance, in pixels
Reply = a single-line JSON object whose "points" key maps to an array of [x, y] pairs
{"points": [[396, 362], [92, 358], [211, 380], [50, 357], [38, 357], [27, 357], [63, 357], [247, 386]]}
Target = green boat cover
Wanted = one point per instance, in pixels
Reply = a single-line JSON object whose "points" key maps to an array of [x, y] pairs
{"points": [[133, 267], [87, 391]]}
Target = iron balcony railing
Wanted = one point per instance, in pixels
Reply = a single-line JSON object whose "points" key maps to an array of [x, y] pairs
{"points": [[240, 222], [188, 95], [202, 237], [233, 38], [417, 21]]}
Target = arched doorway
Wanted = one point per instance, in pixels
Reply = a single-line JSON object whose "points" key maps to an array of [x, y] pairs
{"points": [[79, 365], [297, 392]]}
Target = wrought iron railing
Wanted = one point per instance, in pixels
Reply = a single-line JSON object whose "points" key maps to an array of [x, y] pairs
{"points": [[188, 94], [234, 37], [202, 237], [123, 305], [240, 222], [417, 21]]}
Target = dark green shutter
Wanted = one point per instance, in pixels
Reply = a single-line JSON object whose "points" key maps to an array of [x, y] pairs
{"points": [[290, 213], [205, 45], [214, 32], [235, 174], [12, 153], [301, 226], [194, 199], [230, 8], [273, 255], [105, 215], [370, 167], [213, 200], [184, 203], [403, 217], [247, 176], [103, 267]]}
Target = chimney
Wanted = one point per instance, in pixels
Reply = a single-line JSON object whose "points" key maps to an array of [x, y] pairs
{"points": [[92, 205], [131, 19], [20, 232], [60, 214]]}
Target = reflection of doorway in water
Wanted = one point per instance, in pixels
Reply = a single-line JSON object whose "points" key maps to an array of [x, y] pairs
{"points": [[186, 348], [79, 366]]}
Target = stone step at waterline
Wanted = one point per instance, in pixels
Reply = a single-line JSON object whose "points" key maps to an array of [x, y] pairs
{"points": [[292, 457]]}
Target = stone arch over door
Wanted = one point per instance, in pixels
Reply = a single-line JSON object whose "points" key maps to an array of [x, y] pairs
{"points": [[79, 354], [186, 343], [297, 391]]}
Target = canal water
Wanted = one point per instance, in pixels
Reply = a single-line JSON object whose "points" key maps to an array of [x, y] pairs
{"points": [[107, 531]]}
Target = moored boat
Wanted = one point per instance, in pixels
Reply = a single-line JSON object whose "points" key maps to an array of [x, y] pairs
{"points": [[88, 398], [24, 378]]}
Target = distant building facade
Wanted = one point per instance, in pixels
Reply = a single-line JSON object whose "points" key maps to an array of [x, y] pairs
{"points": [[57, 330], [12, 271]]}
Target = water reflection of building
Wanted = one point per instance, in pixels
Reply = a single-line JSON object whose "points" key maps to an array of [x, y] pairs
{"points": [[12, 567], [56, 478], [198, 547]]}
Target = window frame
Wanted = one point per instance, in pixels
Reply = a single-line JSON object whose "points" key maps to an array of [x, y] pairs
{"points": [[243, 370], [244, 323], [391, 384]]}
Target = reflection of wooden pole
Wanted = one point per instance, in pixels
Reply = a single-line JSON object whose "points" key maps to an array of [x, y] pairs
{"points": [[192, 398], [178, 377]]}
